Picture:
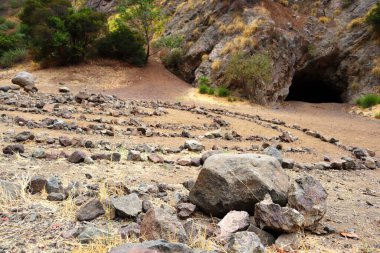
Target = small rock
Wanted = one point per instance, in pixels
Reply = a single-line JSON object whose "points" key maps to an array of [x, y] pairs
{"points": [[53, 184], [245, 242], [185, 210], [289, 242], [158, 246], [134, 155], [65, 141], [77, 157], [154, 158], [56, 196], [24, 136], [64, 89], [39, 153], [128, 206], [90, 210], [131, 230], [193, 145], [234, 221], [37, 184], [90, 233], [13, 149]]}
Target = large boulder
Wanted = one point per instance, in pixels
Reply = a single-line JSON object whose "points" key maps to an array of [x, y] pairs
{"points": [[237, 182], [157, 246], [308, 196], [273, 217], [160, 223], [26, 81]]}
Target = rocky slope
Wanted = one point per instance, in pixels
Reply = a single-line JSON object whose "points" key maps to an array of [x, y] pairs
{"points": [[320, 51]]}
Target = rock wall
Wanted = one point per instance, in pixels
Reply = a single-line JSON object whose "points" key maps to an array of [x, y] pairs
{"points": [[305, 38]]}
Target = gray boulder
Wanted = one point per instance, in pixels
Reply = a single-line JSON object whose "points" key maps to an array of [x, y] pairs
{"points": [[245, 242], [237, 181], [308, 196], [234, 221], [193, 145], [26, 81]]}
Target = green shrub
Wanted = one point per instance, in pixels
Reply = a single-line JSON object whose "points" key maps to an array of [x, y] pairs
{"points": [[373, 17], [249, 72], [368, 100], [123, 44], [7, 25], [15, 4], [211, 91], [2, 20], [203, 89], [172, 59], [10, 42], [58, 34], [170, 42], [203, 80], [222, 92], [12, 57]]}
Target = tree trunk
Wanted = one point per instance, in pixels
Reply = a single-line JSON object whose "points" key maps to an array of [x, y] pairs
{"points": [[147, 52]]}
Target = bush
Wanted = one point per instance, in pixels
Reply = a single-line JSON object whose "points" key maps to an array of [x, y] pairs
{"points": [[16, 3], [7, 25], [173, 59], [222, 92], [249, 72], [211, 91], [123, 44], [170, 42], [373, 16], [10, 42], [203, 89], [368, 100], [12, 57], [58, 34]]}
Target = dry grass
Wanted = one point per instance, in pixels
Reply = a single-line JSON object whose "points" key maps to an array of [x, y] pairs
{"points": [[103, 245]]}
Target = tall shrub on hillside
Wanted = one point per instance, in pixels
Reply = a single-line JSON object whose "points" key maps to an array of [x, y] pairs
{"points": [[249, 73], [58, 34]]}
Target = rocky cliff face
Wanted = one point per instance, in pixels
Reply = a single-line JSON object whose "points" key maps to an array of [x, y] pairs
{"points": [[320, 51]]}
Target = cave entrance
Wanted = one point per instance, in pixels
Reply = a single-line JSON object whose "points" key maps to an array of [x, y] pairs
{"points": [[313, 88], [319, 82]]}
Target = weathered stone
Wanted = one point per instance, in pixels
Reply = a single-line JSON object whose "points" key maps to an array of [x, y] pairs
{"points": [[193, 145], [287, 163], [266, 238], [64, 89], [236, 182], [24, 136], [189, 184], [160, 223], [245, 242], [53, 184], [134, 155], [65, 141], [273, 217], [234, 221], [154, 158], [185, 210], [308, 196], [128, 206], [77, 157], [131, 230], [39, 153], [26, 81], [37, 184], [90, 233], [158, 246], [90, 210], [184, 161], [56, 196], [289, 242], [13, 149], [273, 151]]}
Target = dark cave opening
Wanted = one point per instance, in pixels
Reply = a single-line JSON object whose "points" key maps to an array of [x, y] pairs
{"points": [[314, 87]]}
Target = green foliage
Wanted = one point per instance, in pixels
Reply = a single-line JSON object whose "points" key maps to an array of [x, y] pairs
{"points": [[2, 20], [15, 4], [368, 100], [172, 59], [249, 72], [203, 88], [9, 58], [145, 16], [222, 92], [10, 42], [373, 17], [203, 80], [123, 44], [170, 42], [59, 35], [7, 25]]}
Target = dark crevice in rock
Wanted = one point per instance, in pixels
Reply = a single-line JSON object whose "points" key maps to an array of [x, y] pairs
{"points": [[318, 82]]}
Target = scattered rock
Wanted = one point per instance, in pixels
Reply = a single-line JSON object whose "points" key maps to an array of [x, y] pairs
{"points": [[245, 242], [160, 223], [154, 158], [77, 157], [64, 89], [308, 196], [234, 221], [37, 184], [185, 210], [237, 181], [266, 238], [90, 210], [158, 246], [134, 155], [56, 196], [193, 145], [273, 217], [26, 81], [53, 184], [131, 230], [128, 206], [289, 242], [90, 233], [13, 149], [24, 136]]}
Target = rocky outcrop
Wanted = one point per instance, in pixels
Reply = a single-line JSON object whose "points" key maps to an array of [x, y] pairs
{"points": [[230, 182], [319, 52], [102, 5]]}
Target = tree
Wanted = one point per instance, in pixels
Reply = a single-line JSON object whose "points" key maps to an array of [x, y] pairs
{"points": [[58, 34], [145, 17]]}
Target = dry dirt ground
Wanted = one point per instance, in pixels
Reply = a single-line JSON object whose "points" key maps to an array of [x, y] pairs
{"points": [[33, 224]]}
